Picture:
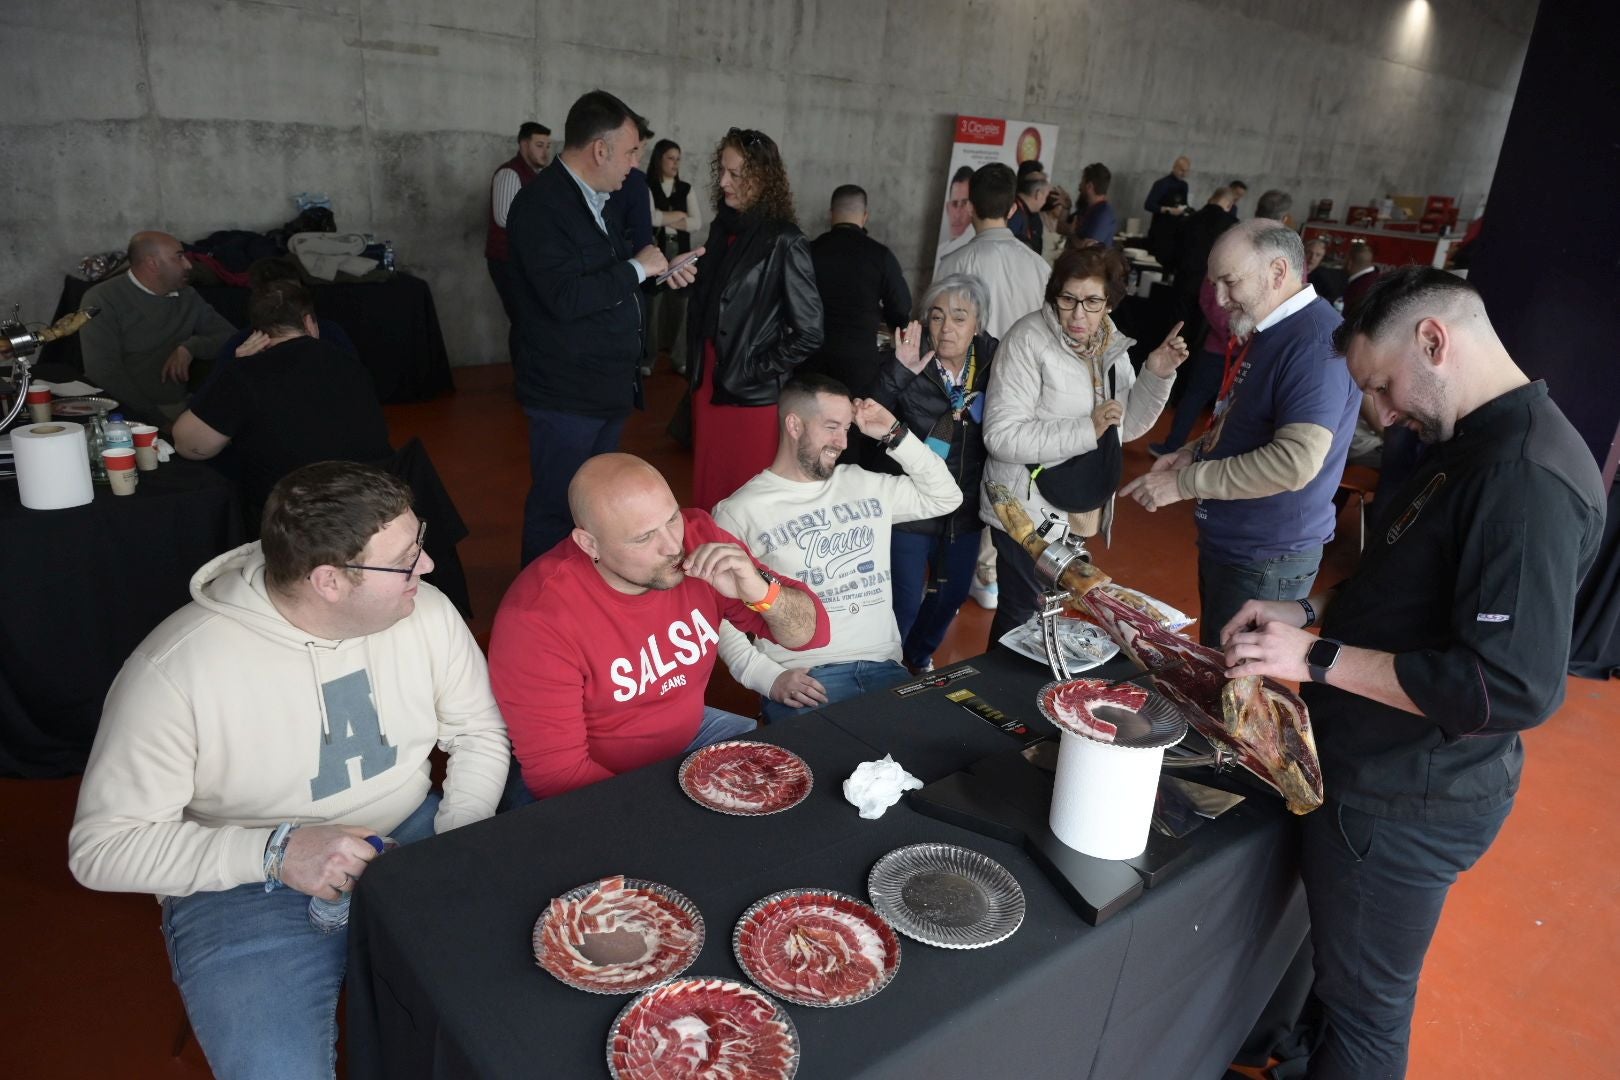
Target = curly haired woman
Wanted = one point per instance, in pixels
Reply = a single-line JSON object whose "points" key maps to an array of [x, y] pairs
{"points": [[753, 316]]}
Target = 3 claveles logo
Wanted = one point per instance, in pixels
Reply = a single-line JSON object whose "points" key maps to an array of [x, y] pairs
{"points": [[981, 129]]}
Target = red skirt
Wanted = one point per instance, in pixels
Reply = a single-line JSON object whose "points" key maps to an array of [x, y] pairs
{"points": [[730, 443]]}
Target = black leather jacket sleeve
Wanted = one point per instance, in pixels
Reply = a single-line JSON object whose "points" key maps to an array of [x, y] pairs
{"points": [[792, 327]]}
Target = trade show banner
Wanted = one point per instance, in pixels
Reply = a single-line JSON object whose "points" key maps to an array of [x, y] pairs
{"points": [[981, 140]]}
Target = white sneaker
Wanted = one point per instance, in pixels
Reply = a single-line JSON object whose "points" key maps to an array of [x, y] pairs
{"points": [[983, 594]]}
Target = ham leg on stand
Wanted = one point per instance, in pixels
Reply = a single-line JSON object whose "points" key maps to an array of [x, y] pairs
{"points": [[1261, 720]]}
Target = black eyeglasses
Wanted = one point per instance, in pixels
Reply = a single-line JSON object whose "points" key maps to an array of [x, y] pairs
{"points": [[1093, 304], [421, 538], [747, 138]]}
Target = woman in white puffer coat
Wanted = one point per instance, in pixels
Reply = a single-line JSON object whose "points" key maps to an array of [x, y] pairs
{"points": [[1062, 377]]}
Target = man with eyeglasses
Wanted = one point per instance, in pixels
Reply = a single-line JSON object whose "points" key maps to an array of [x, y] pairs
{"points": [[258, 743], [1265, 470]]}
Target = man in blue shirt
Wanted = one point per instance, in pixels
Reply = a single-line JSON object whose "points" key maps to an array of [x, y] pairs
{"points": [[1265, 472], [1098, 221]]}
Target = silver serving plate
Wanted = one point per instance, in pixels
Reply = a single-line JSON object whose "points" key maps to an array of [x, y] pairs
{"points": [[670, 987], [669, 895], [883, 979], [772, 750], [945, 895], [87, 405]]}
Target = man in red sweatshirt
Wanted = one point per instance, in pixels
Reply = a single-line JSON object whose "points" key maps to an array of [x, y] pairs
{"points": [[602, 648]]}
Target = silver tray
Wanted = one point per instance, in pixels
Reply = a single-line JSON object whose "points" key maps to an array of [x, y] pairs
{"points": [[945, 895], [669, 895], [787, 758], [883, 929], [86, 405], [779, 1014]]}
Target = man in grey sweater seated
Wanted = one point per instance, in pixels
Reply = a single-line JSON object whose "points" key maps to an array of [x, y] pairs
{"points": [[151, 327]]}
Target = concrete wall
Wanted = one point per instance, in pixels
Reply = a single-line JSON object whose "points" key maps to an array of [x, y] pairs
{"points": [[196, 115]]}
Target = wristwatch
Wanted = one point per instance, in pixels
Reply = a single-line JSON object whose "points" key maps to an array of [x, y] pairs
{"points": [[1323, 654], [773, 590]]}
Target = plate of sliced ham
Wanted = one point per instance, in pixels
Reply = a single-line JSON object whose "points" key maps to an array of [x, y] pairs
{"points": [[618, 935], [703, 1028], [815, 947], [745, 778]]}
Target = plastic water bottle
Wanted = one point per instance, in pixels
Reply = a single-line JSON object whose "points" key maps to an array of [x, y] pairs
{"points": [[118, 435], [388, 255], [330, 916], [95, 441]]}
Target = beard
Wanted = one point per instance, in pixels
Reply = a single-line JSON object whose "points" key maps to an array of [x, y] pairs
{"points": [[815, 463], [1241, 324], [663, 578], [1429, 407]]}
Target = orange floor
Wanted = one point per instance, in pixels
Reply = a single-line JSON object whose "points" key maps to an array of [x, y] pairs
{"points": [[1520, 982]]}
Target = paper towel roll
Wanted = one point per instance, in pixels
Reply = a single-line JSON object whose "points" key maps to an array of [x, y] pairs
{"points": [[1102, 796], [53, 465]]}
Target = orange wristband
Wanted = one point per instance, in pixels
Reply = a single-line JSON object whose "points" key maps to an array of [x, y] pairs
{"points": [[771, 595]]}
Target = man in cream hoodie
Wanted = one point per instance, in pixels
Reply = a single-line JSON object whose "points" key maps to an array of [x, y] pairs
{"points": [[261, 733]]}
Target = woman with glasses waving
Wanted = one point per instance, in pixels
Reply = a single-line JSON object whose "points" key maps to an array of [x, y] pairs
{"points": [[934, 383], [753, 316], [1063, 397]]}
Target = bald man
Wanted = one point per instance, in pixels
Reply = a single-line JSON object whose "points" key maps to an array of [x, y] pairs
{"points": [[603, 646], [1168, 195], [1265, 471], [151, 328]]}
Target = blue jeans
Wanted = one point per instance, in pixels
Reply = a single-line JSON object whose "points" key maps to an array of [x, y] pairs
{"points": [[559, 443], [718, 726], [842, 682], [1375, 887], [1223, 588], [932, 576], [1202, 386], [259, 983]]}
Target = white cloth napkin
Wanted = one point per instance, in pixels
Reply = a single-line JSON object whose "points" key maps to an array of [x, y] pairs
{"points": [[875, 786]]}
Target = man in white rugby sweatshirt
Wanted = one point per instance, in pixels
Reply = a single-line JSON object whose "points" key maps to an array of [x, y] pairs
{"points": [[828, 525], [256, 739]]}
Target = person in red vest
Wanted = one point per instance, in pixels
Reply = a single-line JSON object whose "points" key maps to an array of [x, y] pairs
{"points": [[534, 154]]}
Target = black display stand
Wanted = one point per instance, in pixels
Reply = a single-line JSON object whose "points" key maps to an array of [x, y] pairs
{"points": [[1008, 798]]}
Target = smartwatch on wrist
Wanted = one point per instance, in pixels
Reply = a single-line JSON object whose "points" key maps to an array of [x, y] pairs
{"points": [[773, 590], [1323, 654]]}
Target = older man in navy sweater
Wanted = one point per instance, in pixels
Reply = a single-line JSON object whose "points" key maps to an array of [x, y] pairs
{"points": [[1265, 472]]}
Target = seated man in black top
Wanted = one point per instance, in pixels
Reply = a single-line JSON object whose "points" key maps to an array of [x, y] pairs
{"points": [[297, 401], [1452, 636]]}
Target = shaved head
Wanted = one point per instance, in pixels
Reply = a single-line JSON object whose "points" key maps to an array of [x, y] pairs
{"points": [[607, 484], [627, 520], [144, 245], [159, 261]]}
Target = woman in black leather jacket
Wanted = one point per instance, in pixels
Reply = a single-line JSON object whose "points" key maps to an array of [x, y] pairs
{"points": [[753, 316], [934, 383]]}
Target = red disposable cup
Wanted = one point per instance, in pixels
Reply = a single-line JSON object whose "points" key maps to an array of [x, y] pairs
{"points": [[118, 459], [38, 395], [144, 434]]}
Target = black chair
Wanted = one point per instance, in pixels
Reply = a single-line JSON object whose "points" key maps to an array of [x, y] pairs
{"points": [[412, 464]]}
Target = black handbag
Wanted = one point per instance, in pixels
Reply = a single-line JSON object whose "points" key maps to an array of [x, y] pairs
{"points": [[1086, 481]]}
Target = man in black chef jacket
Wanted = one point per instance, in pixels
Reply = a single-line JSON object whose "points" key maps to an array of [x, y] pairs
{"points": [[1452, 636]]}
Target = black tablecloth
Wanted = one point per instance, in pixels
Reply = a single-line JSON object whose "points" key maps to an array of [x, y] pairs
{"points": [[82, 587], [393, 324], [443, 981]]}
